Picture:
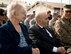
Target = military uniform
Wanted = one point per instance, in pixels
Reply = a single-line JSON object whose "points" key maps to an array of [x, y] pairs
{"points": [[64, 32], [63, 29], [53, 20]]}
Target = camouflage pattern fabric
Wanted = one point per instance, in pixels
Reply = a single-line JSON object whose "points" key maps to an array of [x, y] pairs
{"points": [[64, 31]]}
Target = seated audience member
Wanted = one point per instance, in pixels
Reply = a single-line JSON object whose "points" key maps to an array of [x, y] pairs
{"points": [[14, 37], [43, 37], [27, 20]]}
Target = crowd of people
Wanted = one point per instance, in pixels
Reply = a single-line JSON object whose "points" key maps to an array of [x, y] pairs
{"points": [[35, 34]]}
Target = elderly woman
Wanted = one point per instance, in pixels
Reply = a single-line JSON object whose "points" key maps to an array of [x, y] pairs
{"points": [[13, 34]]}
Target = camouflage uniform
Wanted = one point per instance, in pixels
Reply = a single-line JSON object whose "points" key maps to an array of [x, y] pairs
{"points": [[63, 28], [64, 31], [51, 23], [53, 20]]}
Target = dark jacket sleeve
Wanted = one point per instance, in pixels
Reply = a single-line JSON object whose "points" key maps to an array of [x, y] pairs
{"points": [[39, 42], [9, 47]]}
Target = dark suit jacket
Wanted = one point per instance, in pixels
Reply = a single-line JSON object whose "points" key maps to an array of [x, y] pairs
{"points": [[10, 38], [43, 40]]}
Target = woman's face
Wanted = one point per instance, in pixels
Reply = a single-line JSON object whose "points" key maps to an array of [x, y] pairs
{"points": [[21, 15]]}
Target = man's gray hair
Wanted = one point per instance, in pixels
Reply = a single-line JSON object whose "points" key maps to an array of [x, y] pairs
{"points": [[14, 6], [38, 16]]}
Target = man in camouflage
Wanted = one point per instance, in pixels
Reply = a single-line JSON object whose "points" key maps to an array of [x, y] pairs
{"points": [[63, 27]]}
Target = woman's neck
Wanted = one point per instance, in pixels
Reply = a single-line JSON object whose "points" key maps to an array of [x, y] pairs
{"points": [[16, 25], [15, 21]]}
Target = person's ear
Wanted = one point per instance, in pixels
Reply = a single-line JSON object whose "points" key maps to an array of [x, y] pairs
{"points": [[16, 14], [38, 20], [13, 13]]}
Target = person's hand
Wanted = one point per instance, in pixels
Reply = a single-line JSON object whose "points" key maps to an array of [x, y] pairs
{"points": [[35, 51], [61, 50]]}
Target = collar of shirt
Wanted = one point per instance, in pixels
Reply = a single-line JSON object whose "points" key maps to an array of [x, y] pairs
{"points": [[40, 26]]}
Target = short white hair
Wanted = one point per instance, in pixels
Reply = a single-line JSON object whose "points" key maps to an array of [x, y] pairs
{"points": [[14, 6], [37, 16]]}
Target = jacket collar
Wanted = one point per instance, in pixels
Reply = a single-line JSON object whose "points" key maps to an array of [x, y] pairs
{"points": [[40, 26], [10, 25]]}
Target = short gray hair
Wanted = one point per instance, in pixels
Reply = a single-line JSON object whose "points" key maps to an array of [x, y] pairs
{"points": [[14, 6], [39, 16]]}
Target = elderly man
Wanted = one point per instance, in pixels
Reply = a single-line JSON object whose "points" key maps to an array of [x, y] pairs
{"points": [[14, 37], [63, 27], [43, 37]]}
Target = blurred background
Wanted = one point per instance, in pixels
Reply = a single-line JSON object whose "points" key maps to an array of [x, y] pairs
{"points": [[35, 5]]}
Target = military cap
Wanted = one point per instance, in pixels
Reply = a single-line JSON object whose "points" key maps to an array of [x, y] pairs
{"points": [[67, 7], [55, 14]]}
